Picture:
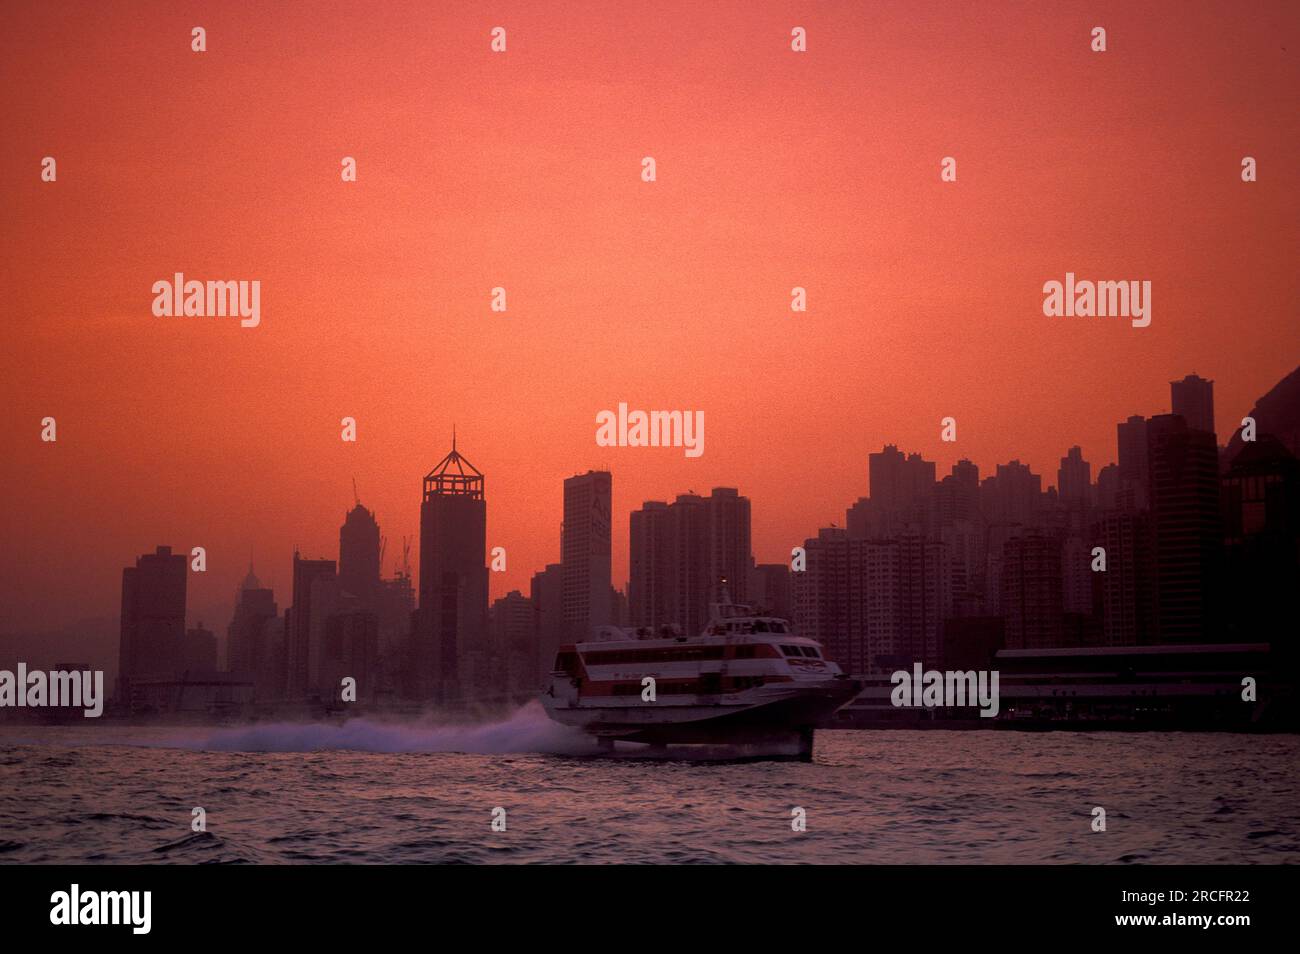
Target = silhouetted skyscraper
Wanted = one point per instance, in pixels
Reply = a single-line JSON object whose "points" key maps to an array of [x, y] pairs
{"points": [[876, 605], [514, 643], [153, 616], [199, 650], [1187, 521], [546, 595], [821, 594], [682, 554], [956, 497], [1261, 506], [1193, 398], [453, 576], [348, 648], [300, 618], [1012, 495], [650, 564], [1108, 487], [1134, 470], [1032, 590], [769, 589], [585, 552], [1074, 480], [900, 489], [359, 557], [1128, 585], [689, 586], [245, 647], [730, 557]]}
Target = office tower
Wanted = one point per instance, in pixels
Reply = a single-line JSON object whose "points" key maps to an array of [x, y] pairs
{"points": [[650, 564], [396, 604], [730, 556], [245, 649], [514, 641], [153, 616], [689, 582], [199, 650], [876, 605], [921, 572], [394, 619], [619, 614], [900, 489], [769, 589], [683, 555], [957, 520], [1077, 576], [453, 577], [1261, 506], [269, 682], [1108, 487], [1032, 591], [896, 481], [1128, 584], [1012, 495], [348, 649], [1074, 480], [300, 619], [546, 594], [359, 556], [1261, 495], [821, 593], [967, 474], [1187, 520], [956, 498], [863, 519], [586, 551], [327, 601], [1193, 399], [1134, 471]]}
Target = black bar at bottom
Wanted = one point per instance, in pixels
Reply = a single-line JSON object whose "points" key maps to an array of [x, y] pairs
{"points": [[221, 905]]}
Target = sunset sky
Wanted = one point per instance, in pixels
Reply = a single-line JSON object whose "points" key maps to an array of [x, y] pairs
{"points": [[522, 170]]}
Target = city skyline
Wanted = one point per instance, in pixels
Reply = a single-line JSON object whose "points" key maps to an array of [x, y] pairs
{"points": [[357, 582], [270, 558]]}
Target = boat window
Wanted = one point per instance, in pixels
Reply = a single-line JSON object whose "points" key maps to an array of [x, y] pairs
{"points": [[791, 650], [778, 627], [760, 626], [812, 652]]}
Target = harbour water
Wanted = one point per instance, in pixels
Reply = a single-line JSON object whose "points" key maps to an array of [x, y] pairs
{"points": [[417, 792]]}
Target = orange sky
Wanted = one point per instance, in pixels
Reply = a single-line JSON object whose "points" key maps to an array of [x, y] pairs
{"points": [[521, 169]]}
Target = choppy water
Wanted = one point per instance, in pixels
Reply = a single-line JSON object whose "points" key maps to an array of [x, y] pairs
{"points": [[370, 792]]}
